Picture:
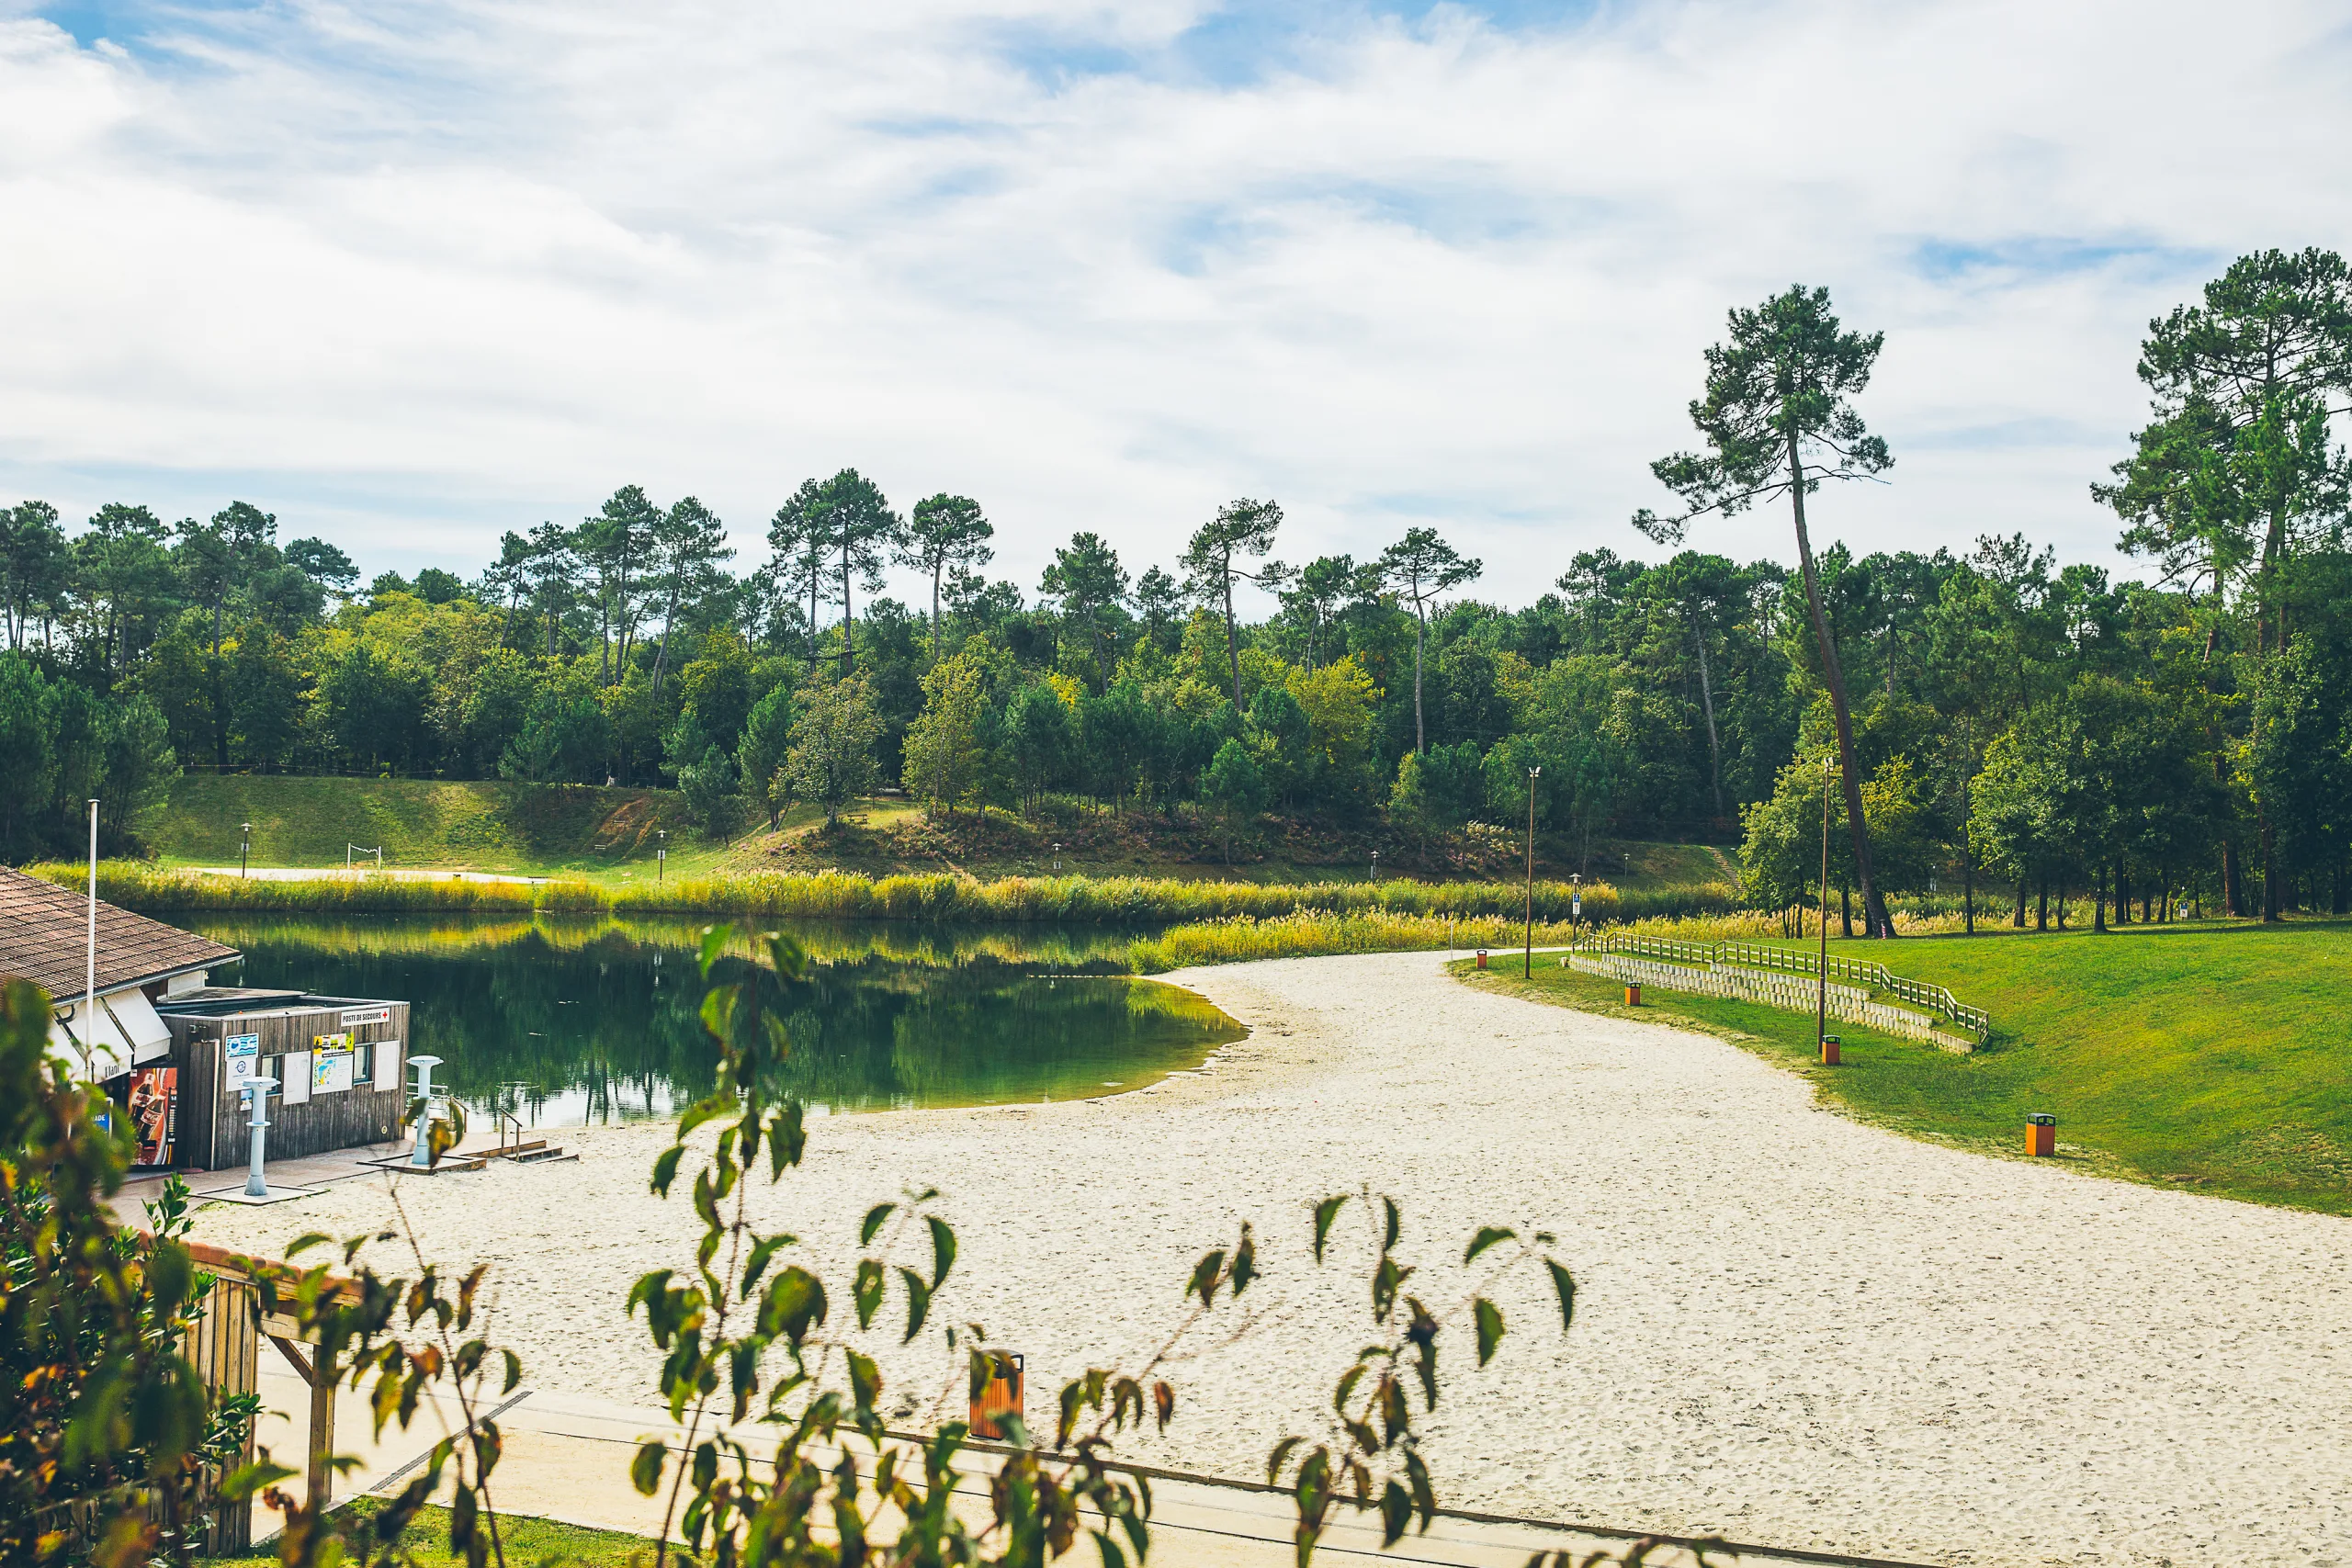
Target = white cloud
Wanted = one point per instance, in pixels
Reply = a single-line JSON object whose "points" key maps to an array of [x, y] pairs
{"points": [[414, 275]]}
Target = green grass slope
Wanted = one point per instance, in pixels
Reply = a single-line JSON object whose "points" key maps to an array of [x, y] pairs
{"points": [[2215, 1057], [481, 826]]}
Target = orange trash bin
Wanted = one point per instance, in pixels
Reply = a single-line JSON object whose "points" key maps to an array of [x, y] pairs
{"points": [[1831, 1048], [2041, 1133], [999, 1396], [1482, 958], [1632, 996]]}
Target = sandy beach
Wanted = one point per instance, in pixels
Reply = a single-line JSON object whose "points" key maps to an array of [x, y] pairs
{"points": [[1793, 1330]]}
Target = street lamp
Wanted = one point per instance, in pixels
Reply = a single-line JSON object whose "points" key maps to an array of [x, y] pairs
{"points": [[244, 845], [1527, 964], [661, 854], [1058, 857], [1821, 1015], [1376, 865], [1576, 904]]}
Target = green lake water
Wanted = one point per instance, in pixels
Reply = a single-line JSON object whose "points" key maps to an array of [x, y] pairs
{"points": [[566, 1023]]}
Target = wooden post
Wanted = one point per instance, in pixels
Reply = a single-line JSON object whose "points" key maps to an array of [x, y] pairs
{"points": [[225, 1350], [320, 1440]]}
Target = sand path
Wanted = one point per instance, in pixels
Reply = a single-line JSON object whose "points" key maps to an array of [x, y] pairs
{"points": [[1794, 1330]]}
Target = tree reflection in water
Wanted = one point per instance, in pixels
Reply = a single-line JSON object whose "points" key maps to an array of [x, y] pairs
{"points": [[595, 1021]]}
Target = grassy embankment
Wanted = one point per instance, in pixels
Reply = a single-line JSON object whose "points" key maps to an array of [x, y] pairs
{"points": [[2213, 1055], [609, 835]]}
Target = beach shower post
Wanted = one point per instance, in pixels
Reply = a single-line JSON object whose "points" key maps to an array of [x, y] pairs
{"points": [[257, 1092], [421, 1157]]}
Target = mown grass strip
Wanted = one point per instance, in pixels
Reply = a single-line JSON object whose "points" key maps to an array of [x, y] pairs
{"points": [[2215, 1057]]}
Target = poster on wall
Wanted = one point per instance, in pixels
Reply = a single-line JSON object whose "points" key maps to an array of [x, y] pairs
{"points": [[243, 1057], [330, 1063], [154, 1107]]}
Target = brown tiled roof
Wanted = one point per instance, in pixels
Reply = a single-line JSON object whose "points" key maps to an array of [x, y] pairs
{"points": [[44, 938]]}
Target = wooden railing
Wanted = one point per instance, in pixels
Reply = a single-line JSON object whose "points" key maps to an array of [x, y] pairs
{"points": [[1864, 972]]}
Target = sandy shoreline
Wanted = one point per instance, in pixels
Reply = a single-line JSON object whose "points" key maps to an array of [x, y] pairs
{"points": [[1794, 1330]]}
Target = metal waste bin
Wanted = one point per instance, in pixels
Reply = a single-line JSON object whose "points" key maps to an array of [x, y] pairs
{"points": [[2041, 1133]]}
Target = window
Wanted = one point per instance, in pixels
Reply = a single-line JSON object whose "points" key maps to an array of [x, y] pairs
{"points": [[363, 1065]]}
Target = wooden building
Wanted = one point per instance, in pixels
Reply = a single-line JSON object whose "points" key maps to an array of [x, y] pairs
{"points": [[336, 1061], [171, 1049]]}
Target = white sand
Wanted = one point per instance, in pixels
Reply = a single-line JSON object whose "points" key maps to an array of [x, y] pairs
{"points": [[1794, 1330]]}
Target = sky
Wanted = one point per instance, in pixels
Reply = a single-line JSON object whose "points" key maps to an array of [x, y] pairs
{"points": [[412, 274]]}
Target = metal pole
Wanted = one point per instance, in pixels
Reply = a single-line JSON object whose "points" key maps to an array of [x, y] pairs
{"points": [[257, 1092], [662, 855], [90, 969], [421, 1158], [1527, 964], [244, 846], [1821, 1016]]}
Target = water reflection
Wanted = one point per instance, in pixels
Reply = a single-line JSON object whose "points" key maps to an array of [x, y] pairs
{"points": [[566, 1021]]}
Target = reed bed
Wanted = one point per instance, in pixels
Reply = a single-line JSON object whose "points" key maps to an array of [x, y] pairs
{"points": [[941, 897], [1312, 933]]}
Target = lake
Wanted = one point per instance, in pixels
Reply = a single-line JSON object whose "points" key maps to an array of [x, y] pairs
{"points": [[569, 1021]]}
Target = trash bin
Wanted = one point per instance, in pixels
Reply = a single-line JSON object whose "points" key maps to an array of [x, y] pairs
{"points": [[1831, 1046], [1632, 996], [998, 1395], [2041, 1133], [1482, 958]]}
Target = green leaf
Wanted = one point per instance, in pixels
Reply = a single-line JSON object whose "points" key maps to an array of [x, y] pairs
{"points": [[513, 1371], [1424, 1496], [714, 942], [1395, 1513], [1245, 1261], [1487, 1236], [645, 1471], [867, 1291], [1565, 1284], [1073, 1400], [787, 1139], [795, 1301], [665, 1168], [918, 1303], [874, 1218], [247, 1480], [1490, 1327], [1163, 1404], [1206, 1275], [1280, 1457], [943, 1249], [1395, 1223], [718, 1012], [1325, 1213], [865, 1383]]}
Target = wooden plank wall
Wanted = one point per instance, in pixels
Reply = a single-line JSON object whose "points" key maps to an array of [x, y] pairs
{"points": [[361, 1114], [224, 1346]]}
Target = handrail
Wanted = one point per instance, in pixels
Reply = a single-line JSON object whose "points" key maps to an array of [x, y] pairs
{"points": [[1856, 971]]}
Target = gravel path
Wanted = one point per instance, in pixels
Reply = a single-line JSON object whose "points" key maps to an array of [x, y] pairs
{"points": [[1793, 1330]]}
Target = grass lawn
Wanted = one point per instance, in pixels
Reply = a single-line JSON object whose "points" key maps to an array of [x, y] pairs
{"points": [[2216, 1056], [427, 1543]]}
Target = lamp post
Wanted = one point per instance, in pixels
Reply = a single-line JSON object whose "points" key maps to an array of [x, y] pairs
{"points": [[1821, 1012], [421, 1158], [256, 1092], [1376, 865], [1058, 857], [1576, 904], [1527, 968], [661, 854], [244, 845]]}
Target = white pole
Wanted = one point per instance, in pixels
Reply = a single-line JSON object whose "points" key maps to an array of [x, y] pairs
{"points": [[90, 969]]}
